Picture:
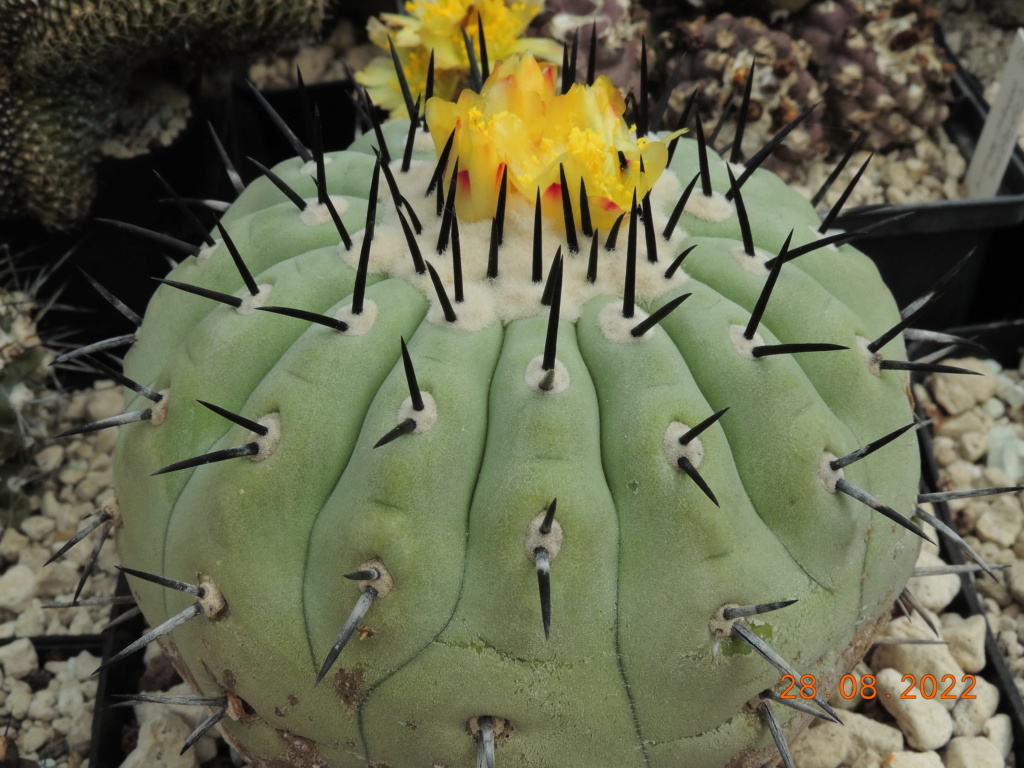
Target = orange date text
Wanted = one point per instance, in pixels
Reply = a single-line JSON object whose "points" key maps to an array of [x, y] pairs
{"points": [[851, 686]]}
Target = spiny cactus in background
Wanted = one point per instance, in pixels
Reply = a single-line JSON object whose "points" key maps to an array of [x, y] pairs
{"points": [[582, 449], [68, 71], [443, 38], [25, 379], [50, 136], [619, 25], [712, 58], [885, 76], [874, 64]]}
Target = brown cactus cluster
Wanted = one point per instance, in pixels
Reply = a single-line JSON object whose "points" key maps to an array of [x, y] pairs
{"points": [[720, 52], [884, 73], [873, 62]]}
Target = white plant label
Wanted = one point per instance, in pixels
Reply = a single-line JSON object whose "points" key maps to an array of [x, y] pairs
{"points": [[999, 134]]}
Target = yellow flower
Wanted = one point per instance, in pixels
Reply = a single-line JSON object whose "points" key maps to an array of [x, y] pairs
{"points": [[519, 120], [436, 25]]}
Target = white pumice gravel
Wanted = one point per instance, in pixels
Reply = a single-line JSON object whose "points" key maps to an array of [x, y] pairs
{"points": [[52, 704], [978, 435]]}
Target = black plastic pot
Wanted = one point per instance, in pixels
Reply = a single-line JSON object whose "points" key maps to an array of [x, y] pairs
{"points": [[913, 252]]}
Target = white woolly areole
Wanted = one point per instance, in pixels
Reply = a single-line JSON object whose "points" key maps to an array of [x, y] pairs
{"points": [[756, 264], [743, 345], [720, 626], [206, 251], [309, 168], [829, 477], [384, 582], [316, 213], [737, 169], [615, 327], [551, 541], [715, 208], [818, 236], [267, 443], [113, 509], [693, 450], [424, 419], [211, 599], [535, 374], [474, 312], [361, 323], [250, 302], [513, 294], [158, 410], [873, 360]]}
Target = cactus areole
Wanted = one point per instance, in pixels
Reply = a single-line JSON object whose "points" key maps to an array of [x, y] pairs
{"points": [[568, 456]]}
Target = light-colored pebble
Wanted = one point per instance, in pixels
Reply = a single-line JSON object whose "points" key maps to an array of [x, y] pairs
{"points": [[1006, 451], [966, 640], [868, 759], [999, 730], [970, 715], [30, 622], [82, 666], [50, 458], [866, 735], [18, 658], [80, 734], [973, 445], [957, 393], [108, 400], [823, 746], [913, 760], [974, 420], [11, 544], [43, 706], [57, 578], [1001, 523], [70, 700], [159, 743], [18, 702], [925, 723], [945, 450], [934, 592], [973, 752], [37, 527], [33, 738], [17, 588]]}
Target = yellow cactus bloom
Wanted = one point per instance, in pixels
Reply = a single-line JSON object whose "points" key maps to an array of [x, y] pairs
{"points": [[519, 121], [436, 25]]}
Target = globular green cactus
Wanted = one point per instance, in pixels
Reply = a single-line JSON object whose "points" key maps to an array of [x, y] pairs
{"points": [[541, 472]]}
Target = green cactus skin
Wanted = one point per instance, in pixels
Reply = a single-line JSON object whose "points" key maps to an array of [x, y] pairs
{"points": [[646, 561]]}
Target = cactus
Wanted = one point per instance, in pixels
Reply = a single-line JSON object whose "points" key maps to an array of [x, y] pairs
{"points": [[715, 56], [568, 466], [886, 74], [71, 70], [26, 381]]}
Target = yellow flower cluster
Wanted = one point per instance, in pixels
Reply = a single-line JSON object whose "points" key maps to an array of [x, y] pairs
{"points": [[519, 121], [436, 25]]}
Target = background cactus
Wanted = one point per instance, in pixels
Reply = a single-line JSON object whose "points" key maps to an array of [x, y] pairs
{"points": [[715, 56], [632, 397], [874, 64], [71, 70]]}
